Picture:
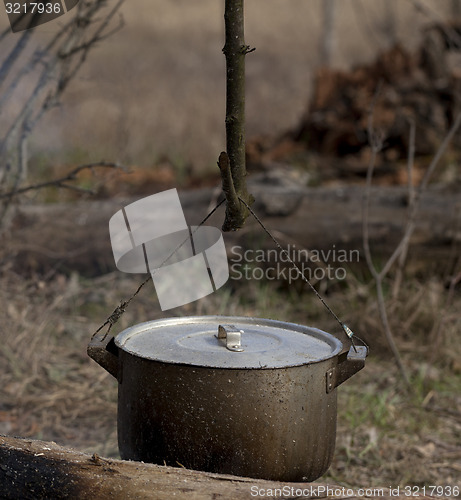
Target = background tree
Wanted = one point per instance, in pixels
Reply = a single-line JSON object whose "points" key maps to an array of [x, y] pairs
{"points": [[37, 81]]}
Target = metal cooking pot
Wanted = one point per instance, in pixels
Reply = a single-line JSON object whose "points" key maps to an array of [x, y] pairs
{"points": [[234, 395]]}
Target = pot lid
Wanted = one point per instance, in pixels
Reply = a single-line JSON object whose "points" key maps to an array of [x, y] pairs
{"points": [[228, 342]]}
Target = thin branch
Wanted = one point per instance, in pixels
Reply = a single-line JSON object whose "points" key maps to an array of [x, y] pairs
{"points": [[400, 252], [411, 222], [450, 33], [61, 182], [99, 35], [411, 161], [411, 202], [61, 59], [14, 55], [376, 139], [366, 215], [65, 56], [36, 58], [6, 32], [440, 152], [76, 29]]}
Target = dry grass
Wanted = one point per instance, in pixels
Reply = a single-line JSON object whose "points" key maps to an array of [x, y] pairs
{"points": [[51, 390]]}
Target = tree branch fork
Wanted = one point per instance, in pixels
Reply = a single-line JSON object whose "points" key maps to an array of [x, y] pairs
{"points": [[236, 210]]}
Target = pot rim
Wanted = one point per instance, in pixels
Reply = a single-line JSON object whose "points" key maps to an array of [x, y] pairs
{"points": [[283, 356]]}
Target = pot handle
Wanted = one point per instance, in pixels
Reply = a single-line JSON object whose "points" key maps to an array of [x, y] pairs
{"points": [[104, 352], [347, 366]]}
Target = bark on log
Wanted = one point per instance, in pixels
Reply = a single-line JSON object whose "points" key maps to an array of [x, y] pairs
{"points": [[38, 470], [76, 236]]}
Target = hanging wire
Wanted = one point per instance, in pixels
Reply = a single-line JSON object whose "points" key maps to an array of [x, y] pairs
{"points": [[120, 309], [285, 252]]}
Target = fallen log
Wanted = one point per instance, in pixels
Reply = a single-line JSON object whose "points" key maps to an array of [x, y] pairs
{"points": [[38, 470], [75, 236]]}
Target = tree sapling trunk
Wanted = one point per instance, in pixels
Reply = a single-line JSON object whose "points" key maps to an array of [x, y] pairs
{"points": [[232, 162]]}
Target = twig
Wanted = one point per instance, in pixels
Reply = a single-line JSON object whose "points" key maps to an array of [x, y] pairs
{"points": [[60, 60], [36, 58], [5, 33], [440, 152], [99, 35], [71, 49], [411, 202], [411, 161], [61, 181], [14, 55], [401, 250], [376, 142], [450, 33], [415, 199], [411, 222]]}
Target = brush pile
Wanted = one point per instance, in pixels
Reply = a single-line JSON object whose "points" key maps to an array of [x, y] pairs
{"points": [[394, 90]]}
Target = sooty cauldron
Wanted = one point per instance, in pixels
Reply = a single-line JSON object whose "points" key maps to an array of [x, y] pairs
{"points": [[234, 395]]}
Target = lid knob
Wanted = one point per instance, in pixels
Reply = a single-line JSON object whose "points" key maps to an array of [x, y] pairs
{"points": [[231, 336]]}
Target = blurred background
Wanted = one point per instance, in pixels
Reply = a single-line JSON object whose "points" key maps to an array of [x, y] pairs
{"points": [[157, 86], [150, 96]]}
